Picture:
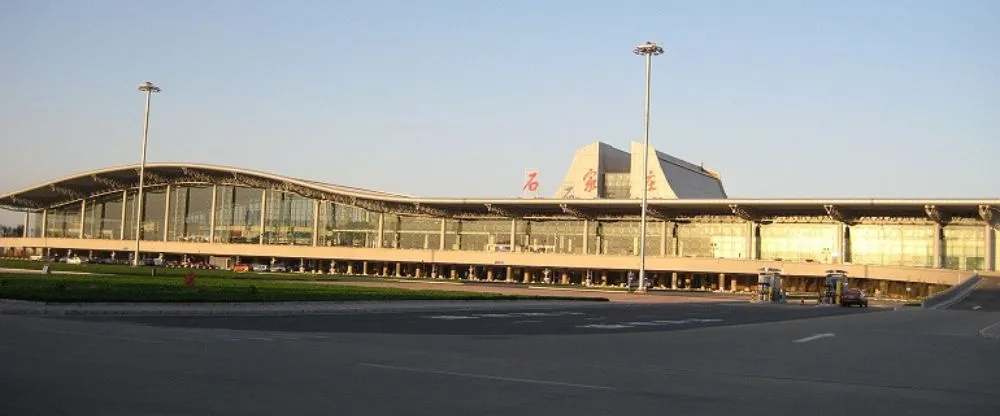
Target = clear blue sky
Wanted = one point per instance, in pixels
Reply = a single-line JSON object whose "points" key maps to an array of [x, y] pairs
{"points": [[451, 98]]}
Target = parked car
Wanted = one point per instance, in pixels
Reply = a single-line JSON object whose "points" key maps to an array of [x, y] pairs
{"points": [[77, 260], [260, 268], [241, 268], [853, 296], [279, 268]]}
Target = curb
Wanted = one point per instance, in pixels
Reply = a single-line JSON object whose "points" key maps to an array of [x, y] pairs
{"points": [[17, 307], [956, 297]]}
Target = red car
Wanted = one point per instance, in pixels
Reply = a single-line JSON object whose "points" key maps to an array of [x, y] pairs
{"points": [[853, 296]]}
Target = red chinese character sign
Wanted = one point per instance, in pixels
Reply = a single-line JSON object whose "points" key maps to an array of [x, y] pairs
{"points": [[531, 184], [590, 181], [650, 181]]}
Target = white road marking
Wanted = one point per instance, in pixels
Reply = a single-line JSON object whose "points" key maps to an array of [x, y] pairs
{"points": [[605, 326], [976, 308], [488, 377], [815, 337], [658, 322], [260, 338], [451, 317], [992, 331], [118, 337]]}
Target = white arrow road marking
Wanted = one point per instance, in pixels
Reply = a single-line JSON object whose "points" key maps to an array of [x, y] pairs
{"points": [[815, 337], [976, 308]]}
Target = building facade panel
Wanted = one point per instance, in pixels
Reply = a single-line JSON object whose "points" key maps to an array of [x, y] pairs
{"points": [[799, 242], [964, 247], [892, 244], [103, 217], [190, 214]]}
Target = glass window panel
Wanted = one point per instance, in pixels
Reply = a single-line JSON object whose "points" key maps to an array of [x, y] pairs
{"points": [[910, 245], [289, 219], [63, 222], [190, 214], [237, 215], [798, 242]]}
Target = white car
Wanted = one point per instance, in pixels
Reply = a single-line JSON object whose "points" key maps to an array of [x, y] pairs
{"points": [[279, 268], [260, 268], [77, 260]]}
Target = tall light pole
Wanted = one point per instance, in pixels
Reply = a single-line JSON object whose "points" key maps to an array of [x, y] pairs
{"points": [[648, 50], [148, 88]]}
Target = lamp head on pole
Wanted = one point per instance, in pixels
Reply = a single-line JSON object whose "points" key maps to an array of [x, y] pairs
{"points": [[648, 48], [148, 87]]}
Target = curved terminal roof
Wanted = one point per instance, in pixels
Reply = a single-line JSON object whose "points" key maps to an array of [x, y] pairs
{"points": [[115, 179]]}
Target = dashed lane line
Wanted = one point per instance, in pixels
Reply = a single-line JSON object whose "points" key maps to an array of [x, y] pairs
{"points": [[814, 337]]}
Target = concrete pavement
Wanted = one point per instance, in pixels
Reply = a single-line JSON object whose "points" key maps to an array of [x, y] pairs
{"points": [[758, 360]]}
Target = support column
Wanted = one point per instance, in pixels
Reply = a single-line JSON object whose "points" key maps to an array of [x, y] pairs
{"points": [[124, 213], [458, 234], [751, 241], [315, 236], [722, 282], [513, 234], [673, 280], [663, 239], [733, 284], [938, 252], [364, 268], [381, 230], [489, 274], [45, 223], [399, 269], [211, 217], [263, 215], [991, 249], [510, 274], [586, 237], [443, 230], [840, 246], [166, 213], [27, 224], [83, 216], [385, 269]]}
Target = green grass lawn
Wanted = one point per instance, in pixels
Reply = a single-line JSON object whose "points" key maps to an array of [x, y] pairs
{"points": [[127, 270], [103, 288]]}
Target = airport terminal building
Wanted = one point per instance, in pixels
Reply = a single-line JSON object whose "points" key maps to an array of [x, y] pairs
{"points": [[587, 233]]}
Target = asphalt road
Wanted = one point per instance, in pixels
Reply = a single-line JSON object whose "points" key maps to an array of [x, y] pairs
{"points": [[985, 297], [647, 359]]}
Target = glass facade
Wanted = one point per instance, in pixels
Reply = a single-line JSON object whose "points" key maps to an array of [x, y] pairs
{"points": [[63, 222], [347, 226], [244, 215], [190, 214], [617, 185], [102, 217], [799, 242], [892, 244], [716, 240], [964, 247], [486, 235], [621, 238], [289, 219], [237, 215]]}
